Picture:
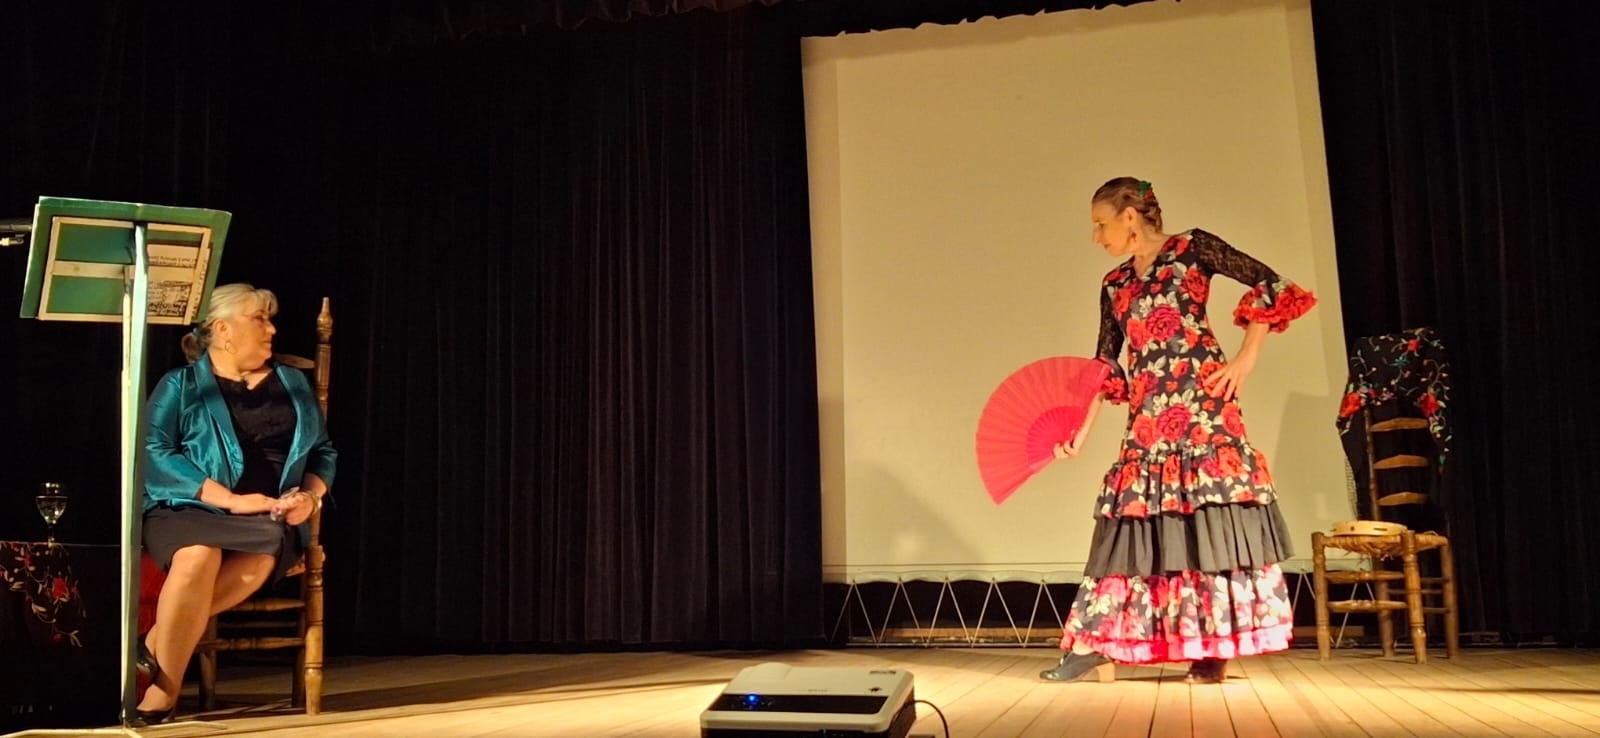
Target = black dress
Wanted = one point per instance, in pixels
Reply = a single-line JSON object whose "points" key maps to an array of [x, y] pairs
{"points": [[264, 422]]}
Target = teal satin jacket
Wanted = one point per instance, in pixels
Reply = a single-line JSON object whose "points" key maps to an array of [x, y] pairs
{"points": [[190, 437]]}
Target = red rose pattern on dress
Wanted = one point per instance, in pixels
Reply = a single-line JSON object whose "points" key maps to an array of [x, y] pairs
{"points": [[1184, 449]]}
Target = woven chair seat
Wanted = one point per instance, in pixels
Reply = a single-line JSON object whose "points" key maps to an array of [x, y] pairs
{"points": [[1383, 547]]}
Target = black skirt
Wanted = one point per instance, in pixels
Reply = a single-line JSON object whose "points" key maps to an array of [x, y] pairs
{"points": [[167, 529]]}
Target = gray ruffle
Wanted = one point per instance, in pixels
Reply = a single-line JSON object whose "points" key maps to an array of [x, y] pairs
{"points": [[1216, 538]]}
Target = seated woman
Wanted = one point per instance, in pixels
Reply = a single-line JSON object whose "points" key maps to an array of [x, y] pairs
{"points": [[236, 461]]}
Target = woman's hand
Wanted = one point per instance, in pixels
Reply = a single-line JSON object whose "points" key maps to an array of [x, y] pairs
{"points": [[1070, 448], [252, 503], [295, 508], [1225, 383]]}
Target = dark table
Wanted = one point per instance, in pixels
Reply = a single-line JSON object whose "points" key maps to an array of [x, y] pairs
{"points": [[60, 635]]}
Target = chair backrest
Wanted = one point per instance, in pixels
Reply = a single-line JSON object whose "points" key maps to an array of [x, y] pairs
{"points": [[320, 367], [1378, 500]]}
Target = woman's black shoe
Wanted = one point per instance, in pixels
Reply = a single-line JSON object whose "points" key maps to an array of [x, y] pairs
{"points": [[1075, 665], [1207, 671], [146, 718], [145, 662]]}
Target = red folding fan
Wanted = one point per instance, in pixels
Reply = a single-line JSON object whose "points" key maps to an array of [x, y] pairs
{"points": [[1037, 407]]}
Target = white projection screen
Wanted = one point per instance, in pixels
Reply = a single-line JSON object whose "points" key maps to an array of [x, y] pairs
{"points": [[951, 169]]}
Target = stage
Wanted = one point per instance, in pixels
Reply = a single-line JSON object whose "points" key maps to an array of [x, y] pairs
{"points": [[982, 692]]}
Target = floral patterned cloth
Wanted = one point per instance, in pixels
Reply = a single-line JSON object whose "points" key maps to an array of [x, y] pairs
{"points": [[1184, 449], [1411, 366], [42, 574]]}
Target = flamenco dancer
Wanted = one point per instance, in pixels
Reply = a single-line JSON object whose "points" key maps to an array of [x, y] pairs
{"points": [[1184, 560]]}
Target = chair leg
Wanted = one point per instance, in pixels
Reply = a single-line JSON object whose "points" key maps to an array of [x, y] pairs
{"points": [[307, 693], [1385, 621], [1419, 632], [208, 670], [1319, 562], [297, 690], [311, 668], [1452, 621], [313, 681]]}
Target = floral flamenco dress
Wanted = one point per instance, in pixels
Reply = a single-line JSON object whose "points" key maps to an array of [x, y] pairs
{"points": [[1184, 560]]}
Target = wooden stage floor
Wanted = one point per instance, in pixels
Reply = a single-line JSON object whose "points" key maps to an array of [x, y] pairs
{"points": [[982, 692]]}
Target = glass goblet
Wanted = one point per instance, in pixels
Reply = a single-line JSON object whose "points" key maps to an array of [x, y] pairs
{"points": [[52, 504]]}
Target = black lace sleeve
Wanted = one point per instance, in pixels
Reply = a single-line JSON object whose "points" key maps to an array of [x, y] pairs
{"points": [[1107, 347], [1219, 257], [1271, 299], [1110, 343]]}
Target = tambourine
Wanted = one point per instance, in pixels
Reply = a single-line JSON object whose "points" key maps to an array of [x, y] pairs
{"points": [[1367, 528]]}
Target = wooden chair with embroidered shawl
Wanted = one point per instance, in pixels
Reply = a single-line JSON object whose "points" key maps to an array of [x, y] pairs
{"points": [[1385, 542]]}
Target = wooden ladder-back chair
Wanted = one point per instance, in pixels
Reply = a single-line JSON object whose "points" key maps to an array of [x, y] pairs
{"points": [[1385, 543], [259, 623]]}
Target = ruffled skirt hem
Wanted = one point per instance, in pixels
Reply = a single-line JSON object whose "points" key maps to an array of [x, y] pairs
{"points": [[1249, 643], [1183, 616]]}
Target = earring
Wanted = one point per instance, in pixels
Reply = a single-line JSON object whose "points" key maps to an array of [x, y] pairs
{"points": [[228, 346]]}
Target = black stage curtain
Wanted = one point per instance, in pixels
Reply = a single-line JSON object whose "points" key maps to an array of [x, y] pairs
{"points": [[580, 396], [1460, 154], [94, 105], [573, 376]]}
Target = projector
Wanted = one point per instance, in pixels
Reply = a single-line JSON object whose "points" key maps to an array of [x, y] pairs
{"points": [[780, 701]]}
